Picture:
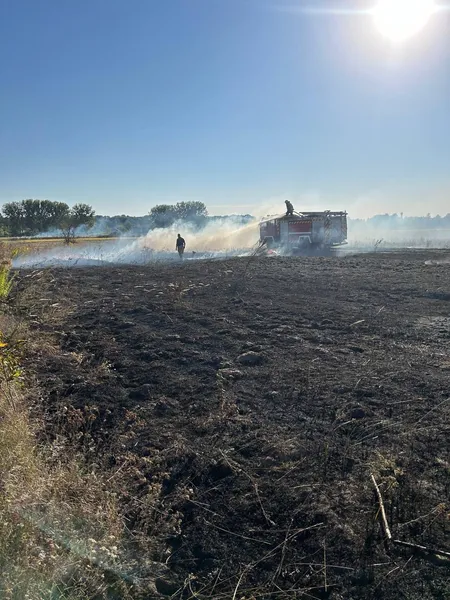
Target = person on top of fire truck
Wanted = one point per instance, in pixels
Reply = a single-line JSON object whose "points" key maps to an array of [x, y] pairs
{"points": [[289, 208]]}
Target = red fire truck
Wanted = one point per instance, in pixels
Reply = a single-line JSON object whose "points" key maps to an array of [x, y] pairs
{"points": [[303, 233]]}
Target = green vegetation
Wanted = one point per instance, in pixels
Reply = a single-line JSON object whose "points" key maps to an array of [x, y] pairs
{"points": [[32, 217], [6, 280], [164, 215], [29, 218], [80, 214]]}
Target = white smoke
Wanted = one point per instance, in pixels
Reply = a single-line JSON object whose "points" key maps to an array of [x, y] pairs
{"points": [[219, 238], [396, 232], [228, 236]]}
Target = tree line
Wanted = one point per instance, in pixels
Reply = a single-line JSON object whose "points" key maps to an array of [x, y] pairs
{"points": [[398, 227], [32, 217], [165, 215], [40, 217], [36, 217], [400, 221]]}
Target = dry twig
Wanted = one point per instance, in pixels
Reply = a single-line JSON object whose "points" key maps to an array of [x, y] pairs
{"points": [[441, 555], [387, 531]]}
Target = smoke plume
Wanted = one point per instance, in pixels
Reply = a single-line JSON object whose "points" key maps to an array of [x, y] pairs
{"points": [[226, 235], [218, 238]]}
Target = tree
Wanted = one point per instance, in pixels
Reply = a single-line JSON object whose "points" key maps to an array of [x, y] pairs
{"points": [[165, 215], [56, 211], [42, 215], [190, 211], [14, 214], [125, 227], [30, 217], [79, 214], [4, 230], [162, 215]]}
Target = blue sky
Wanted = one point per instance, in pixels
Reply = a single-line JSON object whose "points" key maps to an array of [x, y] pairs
{"points": [[239, 103]]}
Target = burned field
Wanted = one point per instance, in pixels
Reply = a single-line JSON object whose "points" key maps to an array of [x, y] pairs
{"points": [[241, 408]]}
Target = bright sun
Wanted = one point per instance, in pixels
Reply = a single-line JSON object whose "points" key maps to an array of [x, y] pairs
{"points": [[401, 19]]}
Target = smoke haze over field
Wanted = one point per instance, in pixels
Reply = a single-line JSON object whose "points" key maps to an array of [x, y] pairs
{"points": [[218, 238], [400, 230], [236, 235], [229, 234]]}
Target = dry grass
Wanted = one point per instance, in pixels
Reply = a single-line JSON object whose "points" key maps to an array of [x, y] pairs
{"points": [[61, 530], [15, 247]]}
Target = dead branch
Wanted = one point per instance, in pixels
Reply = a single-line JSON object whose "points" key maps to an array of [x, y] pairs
{"points": [[357, 323], [439, 555], [238, 584], [387, 531]]}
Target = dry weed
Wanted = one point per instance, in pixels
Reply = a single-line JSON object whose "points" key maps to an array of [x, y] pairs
{"points": [[61, 529]]}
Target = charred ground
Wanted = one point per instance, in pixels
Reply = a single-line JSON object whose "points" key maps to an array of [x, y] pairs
{"points": [[243, 405]]}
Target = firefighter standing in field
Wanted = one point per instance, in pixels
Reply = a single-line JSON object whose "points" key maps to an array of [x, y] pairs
{"points": [[289, 208], [180, 246]]}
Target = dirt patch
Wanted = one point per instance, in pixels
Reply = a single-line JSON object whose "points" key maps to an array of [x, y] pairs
{"points": [[259, 395]]}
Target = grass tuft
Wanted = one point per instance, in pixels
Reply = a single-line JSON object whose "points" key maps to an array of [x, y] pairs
{"points": [[61, 530], [6, 279]]}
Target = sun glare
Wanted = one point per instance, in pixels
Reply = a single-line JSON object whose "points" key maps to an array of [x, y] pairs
{"points": [[401, 19]]}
